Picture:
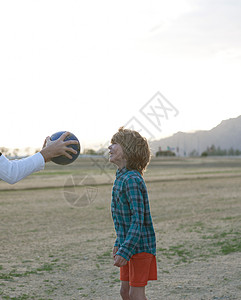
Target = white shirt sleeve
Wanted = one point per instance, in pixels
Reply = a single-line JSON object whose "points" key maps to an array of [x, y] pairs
{"points": [[12, 171]]}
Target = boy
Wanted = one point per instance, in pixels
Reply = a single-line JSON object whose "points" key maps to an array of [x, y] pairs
{"points": [[135, 246]]}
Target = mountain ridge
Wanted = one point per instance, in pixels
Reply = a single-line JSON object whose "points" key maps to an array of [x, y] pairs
{"points": [[226, 135]]}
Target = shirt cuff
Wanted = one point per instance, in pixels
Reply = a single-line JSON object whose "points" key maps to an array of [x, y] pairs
{"points": [[39, 159], [127, 254]]}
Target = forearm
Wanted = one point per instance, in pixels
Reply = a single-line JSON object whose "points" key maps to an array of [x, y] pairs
{"points": [[127, 248], [13, 171]]}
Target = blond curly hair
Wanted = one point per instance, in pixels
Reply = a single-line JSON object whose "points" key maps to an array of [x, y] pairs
{"points": [[135, 147]]}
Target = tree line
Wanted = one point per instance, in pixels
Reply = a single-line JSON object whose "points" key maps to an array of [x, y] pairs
{"points": [[16, 152], [217, 151]]}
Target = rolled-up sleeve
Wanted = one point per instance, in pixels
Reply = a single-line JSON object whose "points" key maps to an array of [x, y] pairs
{"points": [[13, 171]]}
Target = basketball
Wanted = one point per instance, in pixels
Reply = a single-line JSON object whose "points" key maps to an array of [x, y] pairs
{"points": [[63, 160]]}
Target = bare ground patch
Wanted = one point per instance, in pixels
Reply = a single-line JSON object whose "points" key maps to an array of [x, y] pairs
{"points": [[52, 250]]}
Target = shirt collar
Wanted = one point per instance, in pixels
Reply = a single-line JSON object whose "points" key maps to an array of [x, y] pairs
{"points": [[121, 171]]}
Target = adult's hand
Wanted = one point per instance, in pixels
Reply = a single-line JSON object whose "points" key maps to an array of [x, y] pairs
{"points": [[59, 147]]}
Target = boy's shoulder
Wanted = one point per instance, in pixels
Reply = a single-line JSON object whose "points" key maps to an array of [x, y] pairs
{"points": [[132, 175]]}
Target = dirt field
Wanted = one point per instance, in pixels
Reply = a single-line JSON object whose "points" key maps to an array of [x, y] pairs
{"points": [[57, 233]]}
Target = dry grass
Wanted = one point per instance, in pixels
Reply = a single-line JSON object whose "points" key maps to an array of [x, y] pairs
{"points": [[57, 246]]}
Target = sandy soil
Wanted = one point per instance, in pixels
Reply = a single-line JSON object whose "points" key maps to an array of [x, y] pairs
{"points": [[56, 243]]}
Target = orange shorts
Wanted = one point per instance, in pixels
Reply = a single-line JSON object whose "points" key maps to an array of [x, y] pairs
{"points": [[140, 268]]}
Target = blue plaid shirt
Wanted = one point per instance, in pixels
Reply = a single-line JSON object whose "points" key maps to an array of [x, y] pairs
{"points": [[131, 215]]}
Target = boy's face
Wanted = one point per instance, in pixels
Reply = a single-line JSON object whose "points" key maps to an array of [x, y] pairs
{"points": [[116, 155]]}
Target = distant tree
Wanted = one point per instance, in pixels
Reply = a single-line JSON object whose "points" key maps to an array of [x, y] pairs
{"points": [[27, 150], [90, 152], [15, 152], [5, 151], [211, 151], [220, 152], [165, 153], [194, 153], [237, 152], [231, 151]]}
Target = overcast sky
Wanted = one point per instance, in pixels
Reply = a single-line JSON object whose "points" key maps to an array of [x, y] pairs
{"points": [[92, 66]]}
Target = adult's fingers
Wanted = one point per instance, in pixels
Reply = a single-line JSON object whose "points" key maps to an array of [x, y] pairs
{"points": [[64, 135], [70, 149], [46, 141], [71, 142], [68, 142], [67, 155]]}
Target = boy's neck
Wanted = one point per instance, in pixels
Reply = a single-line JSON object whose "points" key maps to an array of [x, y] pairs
{"points": [[121, 164]]}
